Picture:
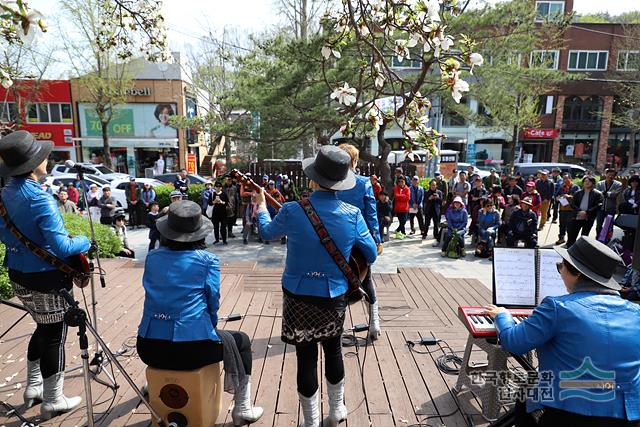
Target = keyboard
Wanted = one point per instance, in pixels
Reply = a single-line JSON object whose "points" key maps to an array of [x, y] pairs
{"points": [[482, 325]]}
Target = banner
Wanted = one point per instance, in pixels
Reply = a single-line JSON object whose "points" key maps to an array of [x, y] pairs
{"points": [[191, 163], [540, 133], [130, 120]]}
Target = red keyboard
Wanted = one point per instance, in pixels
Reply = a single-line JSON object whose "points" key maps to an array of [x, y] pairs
{"points": [[482, 325]]}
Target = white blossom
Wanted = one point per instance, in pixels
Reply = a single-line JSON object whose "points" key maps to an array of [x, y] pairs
{"points": [[476, 60], [458, 87], [433, 7], [5, 79], [375, 118], [327, 51], [345, 95], [402, 51], [441, 43]]}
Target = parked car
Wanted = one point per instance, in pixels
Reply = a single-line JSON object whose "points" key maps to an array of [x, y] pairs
{"points": [[481, 173], [69, 178], [118, 187], [169, 178], [527, 169], [627, 171], [97, 170]]}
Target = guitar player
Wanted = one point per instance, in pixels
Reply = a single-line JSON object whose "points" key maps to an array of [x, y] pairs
{"points": [[35, 214], [361, 196], [315, 280]]}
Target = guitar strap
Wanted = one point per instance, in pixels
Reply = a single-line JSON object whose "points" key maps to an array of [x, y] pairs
{"points": [[329, 245], [34, 247]]}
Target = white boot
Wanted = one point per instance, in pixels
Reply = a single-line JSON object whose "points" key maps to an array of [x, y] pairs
{"points": [[243, 412], [310, 410], [53, 401], [33, 391], [337, 409], [374, 318]]}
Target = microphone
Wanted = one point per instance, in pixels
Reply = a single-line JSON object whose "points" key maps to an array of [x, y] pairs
{"points": [[77, 167]]}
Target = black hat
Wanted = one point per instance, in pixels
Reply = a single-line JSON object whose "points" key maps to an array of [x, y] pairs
{"points": [[593, 259], [21, 153], [119, 213], [331, 168], [184, 222]]}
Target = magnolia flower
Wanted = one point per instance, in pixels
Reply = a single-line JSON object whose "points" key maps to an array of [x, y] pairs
{"points": [[433, 8], [5, 79], [344, 95], [375, 118], [379, 77], [327, 51], [459, 86], [475, 59], [414, 40], [364, 30], [441, 43], [402, 51]]}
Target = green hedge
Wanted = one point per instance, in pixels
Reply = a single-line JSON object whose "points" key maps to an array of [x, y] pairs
{"points": [[6, 291], [163, 192]]}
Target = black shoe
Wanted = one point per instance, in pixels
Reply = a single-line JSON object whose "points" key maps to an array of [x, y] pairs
{"points": [[232, 235], [217, 241], [225, 243], [267, 242], [283, 241], [245, 241]]}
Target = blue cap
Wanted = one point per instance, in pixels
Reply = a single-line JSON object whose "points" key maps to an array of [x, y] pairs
{"points": [[437, 174], [265, 176]]}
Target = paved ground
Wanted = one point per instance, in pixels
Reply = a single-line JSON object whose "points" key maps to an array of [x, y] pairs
{"points": [[410, 252]]}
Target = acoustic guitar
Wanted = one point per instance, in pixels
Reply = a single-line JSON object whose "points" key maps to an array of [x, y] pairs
{"points": [[357, 261]]}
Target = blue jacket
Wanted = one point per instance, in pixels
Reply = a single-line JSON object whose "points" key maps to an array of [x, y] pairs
{"points": [[181, 295], [204, 198], [309, 270], [417, 196], [568, 329], [489, 220], [361, 196], [457, 219], [35, 213]]}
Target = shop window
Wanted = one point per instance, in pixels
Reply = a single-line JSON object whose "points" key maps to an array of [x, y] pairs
{"points": [[549, 10], [544, 59], [42, 112], [578, 151], [8, 112], [588, 60], [582, 114], [406, 63], [629, 60]]}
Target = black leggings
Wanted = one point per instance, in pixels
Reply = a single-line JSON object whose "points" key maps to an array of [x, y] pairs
{"points": [[190, 355], [369, 287], [47, 345], [308, 365]]}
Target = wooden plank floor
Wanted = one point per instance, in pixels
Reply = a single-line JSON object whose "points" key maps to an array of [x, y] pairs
{"points": [[388, 384]]}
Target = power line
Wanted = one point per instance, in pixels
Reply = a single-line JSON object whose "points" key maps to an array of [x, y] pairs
{"points": [[604, 32]]}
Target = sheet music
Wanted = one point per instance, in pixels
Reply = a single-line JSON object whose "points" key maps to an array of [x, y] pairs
{"points": [[551, 283], [514, 275]]}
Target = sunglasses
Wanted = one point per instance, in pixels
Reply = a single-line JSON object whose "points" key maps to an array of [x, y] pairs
{"points": [[559, 266]]}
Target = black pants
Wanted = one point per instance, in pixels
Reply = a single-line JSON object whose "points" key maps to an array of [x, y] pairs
{"points": [[369, 287], [231, 221], [420, 217], [308, 365], [135, 215], [428, 217], [125, 255], [553, 417], [556, 209], [565, 220], [577, 226], [47, 345], [153, 238], [220, 227], [190, 355], [402, 220]]}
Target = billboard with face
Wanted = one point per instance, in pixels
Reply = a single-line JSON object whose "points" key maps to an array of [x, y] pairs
{"points": [[130, 121]]}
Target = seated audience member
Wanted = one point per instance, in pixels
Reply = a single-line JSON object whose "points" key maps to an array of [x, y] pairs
{"points": [[488, 223], [523, 225], [457, 219], [534, 196], [178, 330], [589, 336], [120, 228], [383, 210]]}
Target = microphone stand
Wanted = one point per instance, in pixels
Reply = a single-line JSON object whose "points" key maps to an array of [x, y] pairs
{"points": [[98, 357]]}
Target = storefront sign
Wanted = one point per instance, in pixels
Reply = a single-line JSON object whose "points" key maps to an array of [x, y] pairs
{"points": [[131, 120], [43, 136], [540, 133], [138, 91], [191, 163]]}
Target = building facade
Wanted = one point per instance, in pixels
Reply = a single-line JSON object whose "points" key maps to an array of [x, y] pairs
{"points": [[43, 108]]}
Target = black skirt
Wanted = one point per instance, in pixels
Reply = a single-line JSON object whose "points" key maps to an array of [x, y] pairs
{"points": [[309, 320]]}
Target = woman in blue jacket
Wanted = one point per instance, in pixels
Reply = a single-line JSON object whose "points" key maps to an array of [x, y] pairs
{"points": [[181, 300], [314, 287], [589, 336], [35, 213], [457, 220], [488, 222]]}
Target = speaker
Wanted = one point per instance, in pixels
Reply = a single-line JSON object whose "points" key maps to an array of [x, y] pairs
{"points": [[187, 398]]}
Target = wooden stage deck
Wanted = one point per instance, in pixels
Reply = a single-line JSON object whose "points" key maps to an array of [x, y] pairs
{"points": [[401, 387]]}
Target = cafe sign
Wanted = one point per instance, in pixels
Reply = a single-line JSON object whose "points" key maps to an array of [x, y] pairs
{"points": [[531, 133]]}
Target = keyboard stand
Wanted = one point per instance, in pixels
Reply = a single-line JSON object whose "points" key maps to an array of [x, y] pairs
{"points": [[468, 380]]}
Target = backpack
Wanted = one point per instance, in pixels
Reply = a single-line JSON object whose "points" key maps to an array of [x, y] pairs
{"points": [[453, 249], [483, 250]]}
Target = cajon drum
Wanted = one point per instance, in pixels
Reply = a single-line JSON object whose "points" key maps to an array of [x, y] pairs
{"points": [[187, 398]]}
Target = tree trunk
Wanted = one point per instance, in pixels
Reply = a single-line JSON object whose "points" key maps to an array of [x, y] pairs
{"points": [[227, 151], [632, 148], [304, 20], [105, 145], [512, 153], [383, 165]]}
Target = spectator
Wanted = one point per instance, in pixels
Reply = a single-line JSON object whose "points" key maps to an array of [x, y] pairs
{"points": [[219, 202], [457, 219], [523, 225], [513, 187], [93, 197], [513, 204], [462, 187], [377, 187], [245, 196], [132, 194], [273, 191], [249, 219], [152, 217], [182, 183], [288, 190], [83, 188], [205, 196], [401, 197], [496, 198], [476, 196], [265, 181], [415, 205], [453, 180], [564, 196], [432, 211], [383, 211], [107, 204], [64, 204], [398, 173], [158, 166], [585, 206], [488, 223], [492, 179], [120, 228], [470, 170], [148, 195], [556, 178], [534, 196], [73, 193], [546, 188], [441, 185], [631, 197], [610, 189], [234, 199]]}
